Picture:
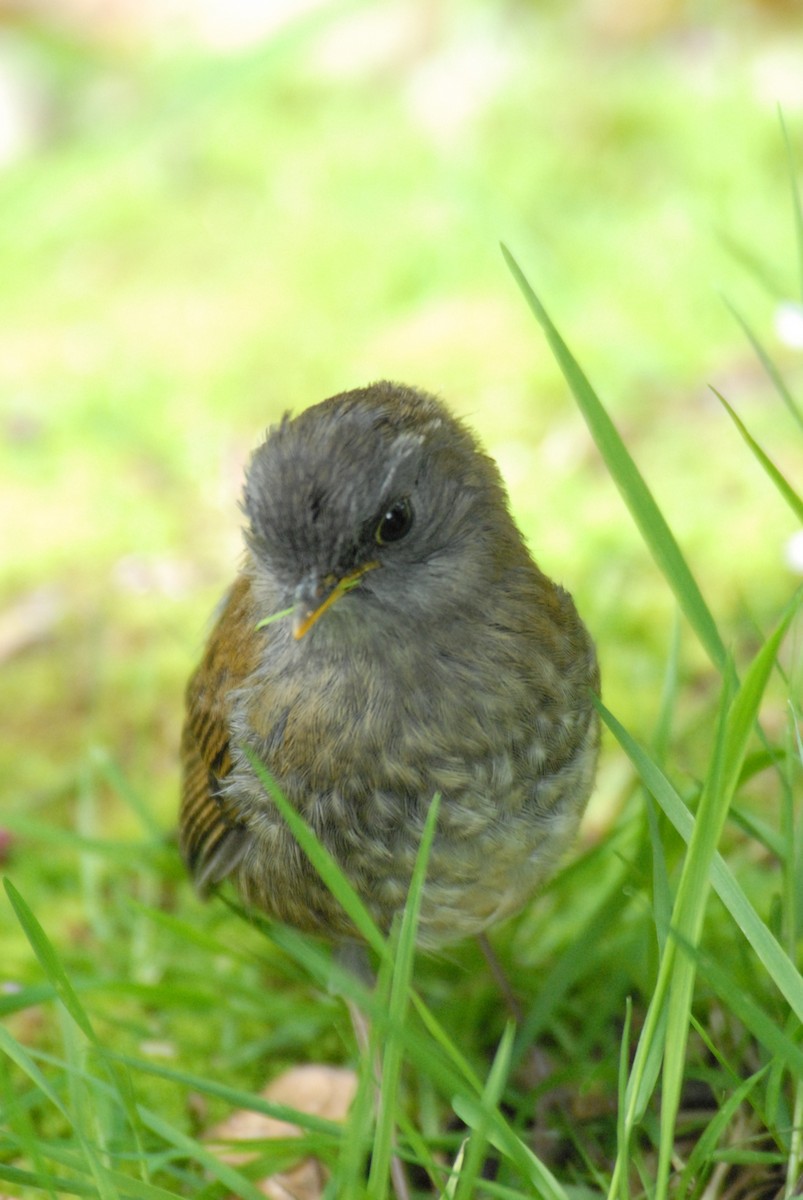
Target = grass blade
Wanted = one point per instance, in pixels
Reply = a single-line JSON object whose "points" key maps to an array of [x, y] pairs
{"points": [[49, 961], [543, 1183], [765, 1028], [768, 950], [473, 1154], [768, 365], [19, 1055], [797, 210], [668, 1013], [323, 862], [738, 717], [784, 487], [703, 1151], [622, 1138], [398, 1006], [210, 1159], [648, 517]]}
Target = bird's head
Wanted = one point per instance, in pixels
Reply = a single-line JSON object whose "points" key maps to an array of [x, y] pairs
{"points": [[378, 494]]}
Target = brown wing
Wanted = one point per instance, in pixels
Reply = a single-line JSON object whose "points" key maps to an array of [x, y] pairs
{"points": [[212, 841]]}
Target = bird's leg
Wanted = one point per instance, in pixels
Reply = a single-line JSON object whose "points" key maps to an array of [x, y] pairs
{"points": [[353, 956], [501, 979], [537, 1067], [540, 1064]]}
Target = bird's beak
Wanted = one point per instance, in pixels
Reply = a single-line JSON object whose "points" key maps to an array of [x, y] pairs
{"points": [[314, 595]]}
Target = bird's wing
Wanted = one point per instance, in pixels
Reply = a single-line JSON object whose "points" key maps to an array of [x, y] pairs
{"points": [[211, 838]]}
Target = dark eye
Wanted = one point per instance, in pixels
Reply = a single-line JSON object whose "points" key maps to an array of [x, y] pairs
{"points": [[396, 523]]}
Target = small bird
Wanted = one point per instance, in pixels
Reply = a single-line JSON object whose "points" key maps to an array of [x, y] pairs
{"points": [[419, 650]]}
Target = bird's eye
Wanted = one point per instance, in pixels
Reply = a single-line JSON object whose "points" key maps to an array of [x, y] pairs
{"points": [[396, 523]]}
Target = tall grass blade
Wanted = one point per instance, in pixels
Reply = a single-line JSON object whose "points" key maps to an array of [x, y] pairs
{"points": [[670, 1004], [35, 1179], [781, 483], [768, 950], [19, 1055], [764, 1027], [738, 718], [702, 1154], [656, 533], [797, 210], [197, 1152], [398, 1006], [233, 1097], [687, 921], [131, 1189], [332, 875], [539, 1178], [50, 963], [474, 1155], [622, 1139], [323, 862], [768, 365]]}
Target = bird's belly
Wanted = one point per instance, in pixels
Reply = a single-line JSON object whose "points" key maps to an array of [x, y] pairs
{"points": [[498, 836]]}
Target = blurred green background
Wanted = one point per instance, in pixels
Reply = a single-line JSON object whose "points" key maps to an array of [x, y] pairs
{"points": [[214, 212]]}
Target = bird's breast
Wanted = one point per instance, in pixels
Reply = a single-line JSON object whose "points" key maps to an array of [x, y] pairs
{"points": [[360, 745]]}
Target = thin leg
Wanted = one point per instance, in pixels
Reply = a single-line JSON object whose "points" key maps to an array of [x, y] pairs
{"points": [[538, 1066], [502, 981]]}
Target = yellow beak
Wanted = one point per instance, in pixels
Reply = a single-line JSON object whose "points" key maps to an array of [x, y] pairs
{"points": [[314, 596]]}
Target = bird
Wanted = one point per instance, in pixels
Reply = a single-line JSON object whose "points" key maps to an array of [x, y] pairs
{"points": [[388, 638]]}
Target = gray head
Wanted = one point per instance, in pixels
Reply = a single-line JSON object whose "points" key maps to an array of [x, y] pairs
{"points": [[379, 492]]}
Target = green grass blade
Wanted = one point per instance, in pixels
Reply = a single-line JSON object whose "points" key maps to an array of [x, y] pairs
{"points": [[35, 1179], [543, 1183], [213, 1164], [669, 694], [456, 1171], [19, 1055], [661, 890], [360, 1130], [51, 964], [474, 1154], [622, 1139], [797, 210], [763, 1026], [664, 1020], [738, 717], [232, 1097], [323, 862], [441, 1038], [398, 1005], [744, 711], [648, 517], [667, 1017], [703, 1150], [777, 963], [49, 960], [768, 365], [781, 483], [666, 1026]]}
